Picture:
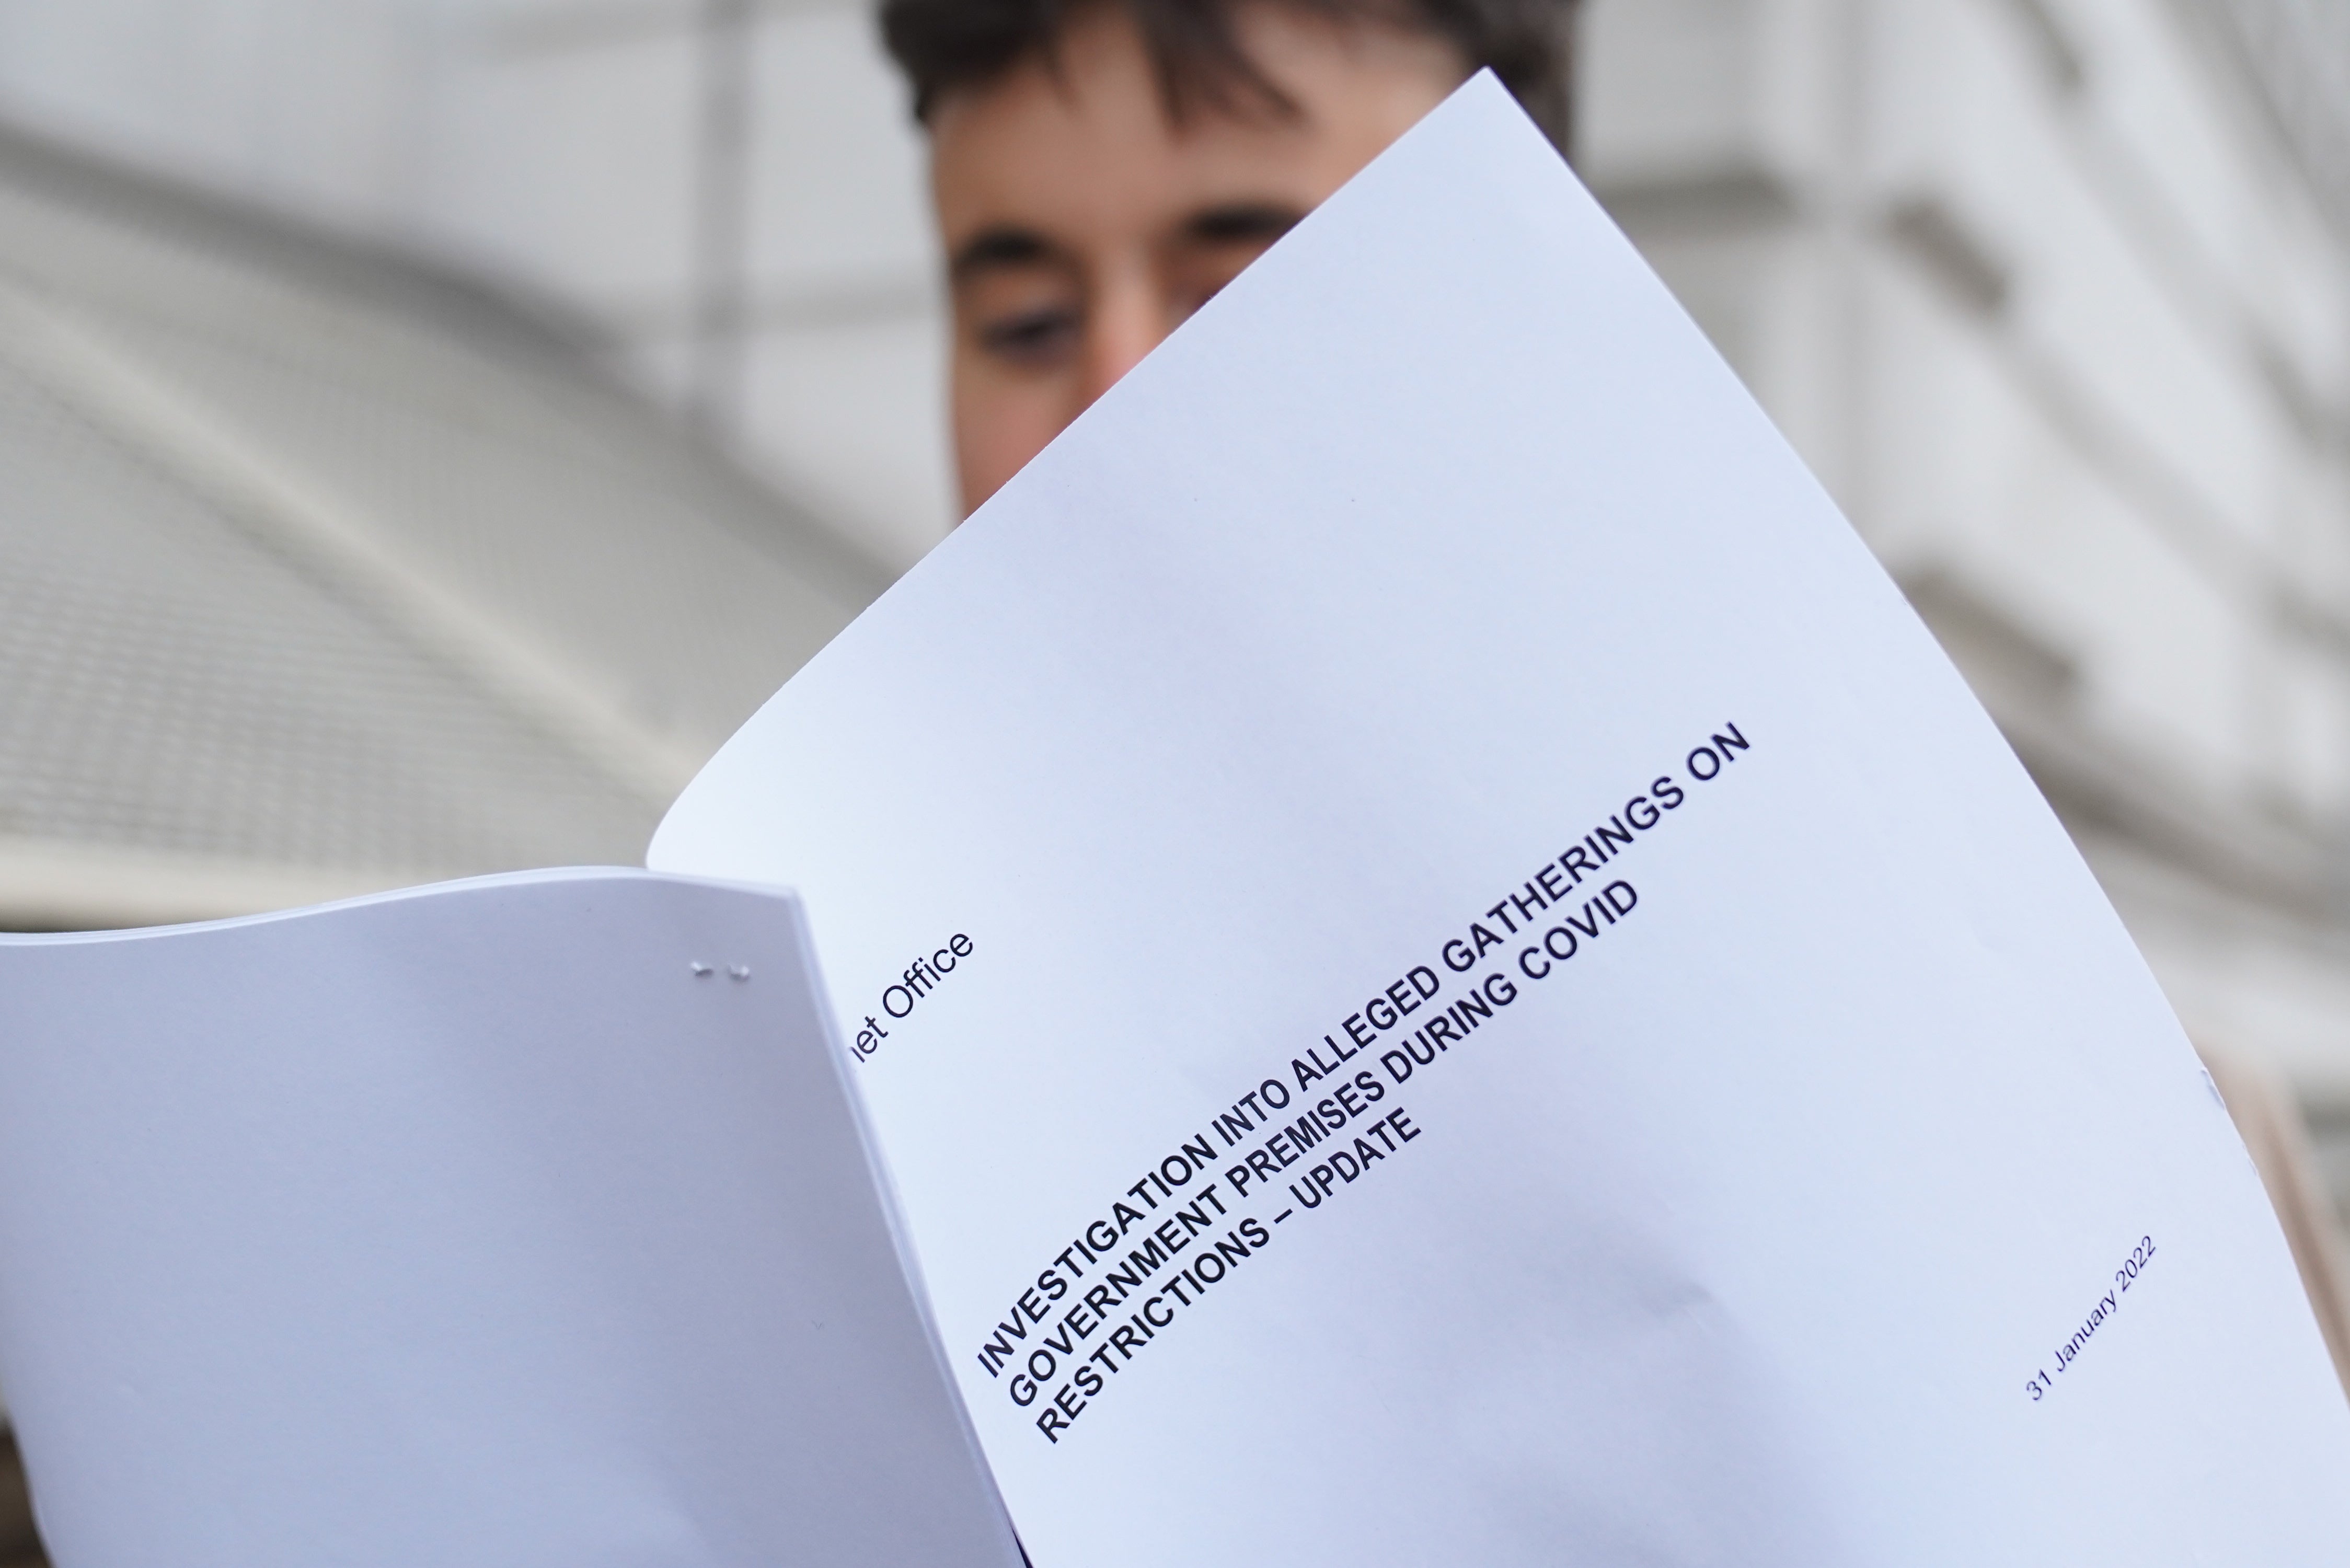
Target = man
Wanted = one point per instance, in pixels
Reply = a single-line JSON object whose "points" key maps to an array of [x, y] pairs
{"points": [[1102, 167]]}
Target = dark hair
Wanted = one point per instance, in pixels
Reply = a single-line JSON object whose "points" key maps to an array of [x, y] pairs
{"points": [[946, 45]]}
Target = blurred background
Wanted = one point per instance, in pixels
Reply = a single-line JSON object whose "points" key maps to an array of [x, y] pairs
{"points": [[428, 427]]}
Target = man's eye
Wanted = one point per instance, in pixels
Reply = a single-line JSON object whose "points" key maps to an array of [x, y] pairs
{"points": [[1031, 337], [1204, 276], [1200, 291]]}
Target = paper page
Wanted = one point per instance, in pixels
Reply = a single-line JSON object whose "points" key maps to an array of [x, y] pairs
{"points": [[517, 1222], [1446, 974]]}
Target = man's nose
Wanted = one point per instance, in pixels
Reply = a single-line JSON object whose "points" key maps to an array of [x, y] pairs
{"points": [[1127, 320]]}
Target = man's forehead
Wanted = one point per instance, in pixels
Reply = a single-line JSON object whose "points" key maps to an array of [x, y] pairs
{"points": [[1085, 140], [1056, 167]]}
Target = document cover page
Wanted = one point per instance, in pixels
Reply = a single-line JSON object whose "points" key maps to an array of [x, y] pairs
{"points": [[1444, 973]]}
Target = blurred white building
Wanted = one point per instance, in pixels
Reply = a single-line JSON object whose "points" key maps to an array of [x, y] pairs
{"points": [[323, 570], [2053, 294], [727, 190]]}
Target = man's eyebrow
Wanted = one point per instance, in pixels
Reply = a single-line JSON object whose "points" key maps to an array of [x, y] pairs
{"points": [[1001, 245], [1236, 221]]}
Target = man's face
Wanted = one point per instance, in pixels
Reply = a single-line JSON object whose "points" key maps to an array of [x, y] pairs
{"points": [[1081, 224]]}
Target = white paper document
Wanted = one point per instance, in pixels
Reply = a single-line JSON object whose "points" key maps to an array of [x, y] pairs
{"points": [[512, 1224], [1444, 973]]}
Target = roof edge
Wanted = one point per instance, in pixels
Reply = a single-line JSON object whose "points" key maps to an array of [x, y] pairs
{"points": [[52, 885], [115, 185]]}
